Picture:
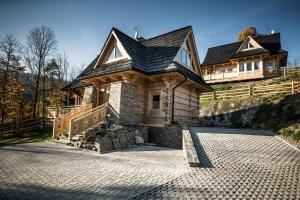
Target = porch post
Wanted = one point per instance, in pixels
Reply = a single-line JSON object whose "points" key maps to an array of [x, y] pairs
{"points": [[238, 68], [68, 100], [261, 67]]}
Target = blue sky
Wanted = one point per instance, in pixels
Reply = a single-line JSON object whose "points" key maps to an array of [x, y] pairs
{"points": [[81, 27]]}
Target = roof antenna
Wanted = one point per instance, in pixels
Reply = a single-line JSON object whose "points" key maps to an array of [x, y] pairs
{"points": [[272, 30], [136, 34]]}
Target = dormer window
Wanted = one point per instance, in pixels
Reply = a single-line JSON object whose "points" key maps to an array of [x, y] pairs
{"points": [[184, 56], [249, 46]]}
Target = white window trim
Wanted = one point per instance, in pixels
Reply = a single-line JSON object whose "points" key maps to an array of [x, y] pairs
{"points": [[252, 66], [188, 52], [102, 57], [150, 101], [251, 41], [115, 59]]}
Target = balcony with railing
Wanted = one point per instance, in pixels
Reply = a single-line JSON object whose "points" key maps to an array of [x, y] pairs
{"points": [[232, 76]]}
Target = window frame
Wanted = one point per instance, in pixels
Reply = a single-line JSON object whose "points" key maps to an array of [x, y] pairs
{"points": [[115, 46], [185, 47], [247, 66], [156, 106], [240, 67], [258, 65]]}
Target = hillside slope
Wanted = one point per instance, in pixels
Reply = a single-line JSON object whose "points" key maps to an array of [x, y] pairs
{"points": [[280, 114]]}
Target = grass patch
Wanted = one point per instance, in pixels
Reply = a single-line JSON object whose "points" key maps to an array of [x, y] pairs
{"points": [[33, 136], [292, 132]]}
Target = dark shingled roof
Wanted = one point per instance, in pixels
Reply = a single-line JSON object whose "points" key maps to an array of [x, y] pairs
{"points": [[148, 56], [221, 54]]}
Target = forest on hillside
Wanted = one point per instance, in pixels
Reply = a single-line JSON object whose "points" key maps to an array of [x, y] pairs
{"points": [[32, 74]]}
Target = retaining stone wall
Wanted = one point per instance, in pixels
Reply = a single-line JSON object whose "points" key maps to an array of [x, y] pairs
{"points": [[168, 136]]}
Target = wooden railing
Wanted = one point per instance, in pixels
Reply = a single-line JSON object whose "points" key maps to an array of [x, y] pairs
{"points": [[220, 76], [285, 88], [54, 112], [87, 120], [231, 76], [14, 128], [61, 124]]}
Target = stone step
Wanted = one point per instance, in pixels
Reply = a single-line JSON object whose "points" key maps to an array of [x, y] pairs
{"points": [[77, 137]]}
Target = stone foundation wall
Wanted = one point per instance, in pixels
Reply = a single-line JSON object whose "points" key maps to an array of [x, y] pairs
{"points": [[168, 136]]}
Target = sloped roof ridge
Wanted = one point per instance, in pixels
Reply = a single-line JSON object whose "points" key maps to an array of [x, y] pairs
{"points": [[256, 37], [223, 45], [163, 34], [116, 29]]}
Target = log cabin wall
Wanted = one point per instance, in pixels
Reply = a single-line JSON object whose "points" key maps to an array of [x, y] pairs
{"points": [[186, 105], [154, 116], [141, 102]]}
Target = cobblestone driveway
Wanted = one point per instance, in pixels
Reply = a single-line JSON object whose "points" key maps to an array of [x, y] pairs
{"points": [[237, 165]]}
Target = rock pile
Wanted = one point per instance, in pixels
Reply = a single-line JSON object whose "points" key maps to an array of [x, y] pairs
{"points": [[104, 139]]}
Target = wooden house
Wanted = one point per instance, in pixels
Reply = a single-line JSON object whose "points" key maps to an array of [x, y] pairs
{"points": [[137, 81], [254, 58]]}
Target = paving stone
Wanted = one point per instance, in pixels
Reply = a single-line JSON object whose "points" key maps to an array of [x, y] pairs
{"points": [[236, 164]]}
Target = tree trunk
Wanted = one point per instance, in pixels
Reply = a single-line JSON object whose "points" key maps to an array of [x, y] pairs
{"points": [[4, 89], [44, 98], [37, 82]]}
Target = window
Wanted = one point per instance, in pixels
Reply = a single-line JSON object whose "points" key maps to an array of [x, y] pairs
{"points": [[115, 53], [249, 45], [270, 66], [222, 70], [184, 55], [156, 102], [229, 70], [241, 67], [249, 66], [256, 65]]}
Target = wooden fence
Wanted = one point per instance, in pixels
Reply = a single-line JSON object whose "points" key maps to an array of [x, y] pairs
{"points": [[11, 129], [286, 71], [285, 88]]}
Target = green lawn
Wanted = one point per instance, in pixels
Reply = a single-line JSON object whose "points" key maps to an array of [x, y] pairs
{"points": [[34, 136]]}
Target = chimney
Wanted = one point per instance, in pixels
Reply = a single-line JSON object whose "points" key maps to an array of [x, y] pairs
{"points": [[136, 34], [272, 30]]}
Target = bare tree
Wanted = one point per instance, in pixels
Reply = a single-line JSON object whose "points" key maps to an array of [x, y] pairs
{"points": [[75, 71], [9, 66], [41, 42], [63, 68]]}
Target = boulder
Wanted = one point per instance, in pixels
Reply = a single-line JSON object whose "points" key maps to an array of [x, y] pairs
{"points": [[123, 142], [104, 144], [116, 143], [113, 134], [139, 140], [116, 128]]}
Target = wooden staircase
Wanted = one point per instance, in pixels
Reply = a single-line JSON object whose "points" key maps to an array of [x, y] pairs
{"points": [[72, 125]]}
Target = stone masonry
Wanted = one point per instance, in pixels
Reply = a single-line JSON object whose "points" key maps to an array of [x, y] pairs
{"points": [[167, 136], [89, 95], [122, 102]]}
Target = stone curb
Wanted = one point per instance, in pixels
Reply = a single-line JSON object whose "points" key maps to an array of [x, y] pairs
{"points": [[189, 150]]}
